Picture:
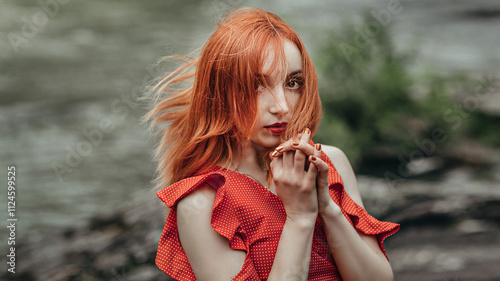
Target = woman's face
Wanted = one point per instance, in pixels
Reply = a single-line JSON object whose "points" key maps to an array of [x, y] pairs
{"points": [[277, 101]]}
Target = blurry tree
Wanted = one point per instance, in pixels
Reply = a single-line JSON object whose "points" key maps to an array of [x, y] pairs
{"points": [[376, 109]]}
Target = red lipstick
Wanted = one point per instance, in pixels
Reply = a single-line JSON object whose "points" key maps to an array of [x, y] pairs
{"points": [[276, 128]]}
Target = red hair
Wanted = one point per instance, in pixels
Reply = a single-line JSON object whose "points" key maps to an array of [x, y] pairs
{"points": [[218, 111]]}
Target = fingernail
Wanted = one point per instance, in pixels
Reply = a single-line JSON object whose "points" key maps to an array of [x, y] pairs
{"points": [[280, 147], [295, 143], [307, 131], [313, 158], [318, 146], [274, 153]]}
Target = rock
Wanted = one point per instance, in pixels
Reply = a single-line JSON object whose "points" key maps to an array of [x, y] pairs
{"points": [[449, 228], [472, 226], [425, 165], [120, 245]]}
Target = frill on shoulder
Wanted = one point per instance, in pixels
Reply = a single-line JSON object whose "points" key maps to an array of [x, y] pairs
{"points": [[170, 257], [356, 214]]}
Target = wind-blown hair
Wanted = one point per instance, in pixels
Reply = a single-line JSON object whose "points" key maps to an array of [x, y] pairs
{"points": [[219, 109]]}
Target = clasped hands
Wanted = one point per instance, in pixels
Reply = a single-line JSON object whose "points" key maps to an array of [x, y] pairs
{"points": [[301, 178]]}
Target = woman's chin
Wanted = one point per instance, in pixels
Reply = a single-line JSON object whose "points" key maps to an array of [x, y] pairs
{"points": [[268, 144]]}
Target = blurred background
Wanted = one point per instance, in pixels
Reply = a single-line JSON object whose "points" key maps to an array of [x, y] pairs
{"points": [[410, 91]]}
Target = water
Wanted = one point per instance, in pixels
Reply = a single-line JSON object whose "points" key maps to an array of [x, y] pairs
{"points": [[68, 114]]}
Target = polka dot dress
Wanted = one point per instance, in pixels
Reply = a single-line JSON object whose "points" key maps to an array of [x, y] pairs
{"points": [[252, 218]]}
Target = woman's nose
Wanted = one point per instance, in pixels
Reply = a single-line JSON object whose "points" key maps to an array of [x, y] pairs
{"points": [[280, 104]]}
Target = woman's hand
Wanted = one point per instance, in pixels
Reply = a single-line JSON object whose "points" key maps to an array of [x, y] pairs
{"points": [[325, 202], [295, 185]]}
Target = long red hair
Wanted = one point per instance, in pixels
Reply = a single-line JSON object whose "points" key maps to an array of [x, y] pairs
{"points": [[218, 109]]}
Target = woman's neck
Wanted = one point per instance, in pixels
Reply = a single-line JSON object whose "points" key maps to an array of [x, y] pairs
{"points": [[248, 159], [250, 156]]}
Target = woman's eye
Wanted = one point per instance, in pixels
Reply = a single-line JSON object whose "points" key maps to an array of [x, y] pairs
{"points": [[294, 84]]}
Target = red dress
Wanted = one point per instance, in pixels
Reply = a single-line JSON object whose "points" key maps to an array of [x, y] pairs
{"points": [[252, 218]]}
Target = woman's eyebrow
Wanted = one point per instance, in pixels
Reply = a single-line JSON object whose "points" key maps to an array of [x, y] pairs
{"points": [[266, 78], [295, 73]]}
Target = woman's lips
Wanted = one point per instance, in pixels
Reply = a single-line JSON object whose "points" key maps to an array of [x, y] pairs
{"points": [[276, 128]]}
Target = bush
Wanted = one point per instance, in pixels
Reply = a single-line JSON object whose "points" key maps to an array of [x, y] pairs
{"points": [[376, 108]]}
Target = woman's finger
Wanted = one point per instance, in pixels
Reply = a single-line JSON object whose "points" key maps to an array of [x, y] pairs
{"points": [[322, 179], [312, 173], [301, 156], [301, 144], [315, 158], [306, 136], [276, 165], [317, 150], [287, 145], [324, 199], [288, 160]]}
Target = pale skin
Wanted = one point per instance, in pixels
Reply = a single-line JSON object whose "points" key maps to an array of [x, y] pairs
{"points": [[303, 192]]}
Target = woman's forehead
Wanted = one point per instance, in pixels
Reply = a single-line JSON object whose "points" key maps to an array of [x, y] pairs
{"points": [[292, 60]]}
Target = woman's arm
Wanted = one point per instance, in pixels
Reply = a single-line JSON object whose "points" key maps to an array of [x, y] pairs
{"points": [[297, 190], [209, 253], [293, 255], [357, 255]]}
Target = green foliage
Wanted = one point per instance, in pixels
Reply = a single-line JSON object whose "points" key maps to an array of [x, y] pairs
{"points": [[373, 102], [485, 128]]}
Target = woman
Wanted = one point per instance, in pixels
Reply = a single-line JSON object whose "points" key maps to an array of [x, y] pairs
{"points": [[251, 197]]}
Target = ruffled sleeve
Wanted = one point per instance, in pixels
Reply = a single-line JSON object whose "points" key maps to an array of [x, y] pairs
{"points": [[356, 214], [170, 257]]}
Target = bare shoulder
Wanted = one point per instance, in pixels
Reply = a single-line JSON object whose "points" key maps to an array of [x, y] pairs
{"points": [[198, 201], [208, 252], [333, 152], [194, 213], [343, 166]]}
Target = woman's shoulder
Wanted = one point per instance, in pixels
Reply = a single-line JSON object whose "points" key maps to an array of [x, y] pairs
{"points": [[338, 159], [225, 183], [333, 152], [172, 194], [198, 201], [203, 189]]}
